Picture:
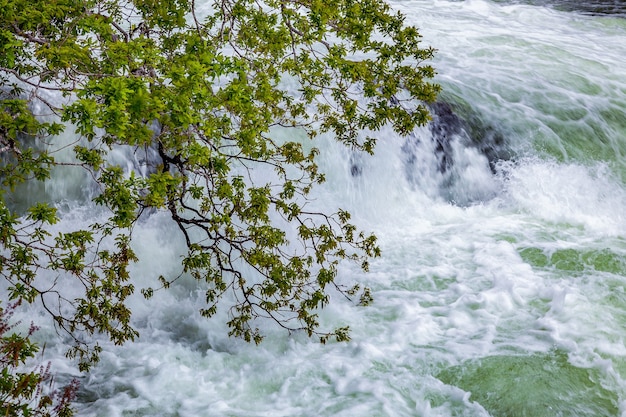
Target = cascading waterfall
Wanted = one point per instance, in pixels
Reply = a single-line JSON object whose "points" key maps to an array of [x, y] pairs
{"points": [[501, 289]]}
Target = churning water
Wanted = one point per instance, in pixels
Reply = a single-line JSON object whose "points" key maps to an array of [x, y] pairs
{"points": [[502, 286]]}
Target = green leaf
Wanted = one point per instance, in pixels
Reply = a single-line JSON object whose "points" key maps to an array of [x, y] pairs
{"points": [[180, 115]]}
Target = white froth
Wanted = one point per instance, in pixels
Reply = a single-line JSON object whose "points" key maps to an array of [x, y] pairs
{"points": [[453, 284]]}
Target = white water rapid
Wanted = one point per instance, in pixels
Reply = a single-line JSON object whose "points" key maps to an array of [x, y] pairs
{"points": [[501, 290]]}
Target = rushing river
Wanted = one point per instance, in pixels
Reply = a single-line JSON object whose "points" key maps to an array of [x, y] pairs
{"points": [[501, 290]]}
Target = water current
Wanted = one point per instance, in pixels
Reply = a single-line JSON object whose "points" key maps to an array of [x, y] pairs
{"points": [[501, 290]]}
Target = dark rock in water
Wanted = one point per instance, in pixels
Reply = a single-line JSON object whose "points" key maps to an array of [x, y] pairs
{"points": [[355, 169], [447, 126], [444, 126], [356, 164], [488, 140], [591, 7], [455, 157]]}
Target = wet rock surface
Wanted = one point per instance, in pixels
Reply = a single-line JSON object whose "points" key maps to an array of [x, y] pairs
{"points": [[591, 7]]}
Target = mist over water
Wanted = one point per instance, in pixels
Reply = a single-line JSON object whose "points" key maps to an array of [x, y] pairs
{"points": [[501, 288]]}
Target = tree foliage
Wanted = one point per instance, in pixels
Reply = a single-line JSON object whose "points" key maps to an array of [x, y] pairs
{"points": [[22, 392], [203, 86]]}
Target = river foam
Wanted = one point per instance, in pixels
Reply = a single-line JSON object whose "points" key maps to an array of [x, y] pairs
{"points": [[508, 304]]}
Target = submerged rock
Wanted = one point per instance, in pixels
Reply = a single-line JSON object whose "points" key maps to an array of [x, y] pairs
{"points": [[533, 386], [590, 7], [447, 126], [455, 157]]}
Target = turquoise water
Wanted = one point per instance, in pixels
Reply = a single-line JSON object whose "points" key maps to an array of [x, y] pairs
{"points": [[501, 289]]}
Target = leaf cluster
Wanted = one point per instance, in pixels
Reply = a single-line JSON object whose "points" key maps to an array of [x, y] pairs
{"points": [[205, 93], [22, 393]]}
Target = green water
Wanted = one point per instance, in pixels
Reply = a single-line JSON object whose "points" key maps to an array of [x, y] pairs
{"points": [[533, 386]]}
